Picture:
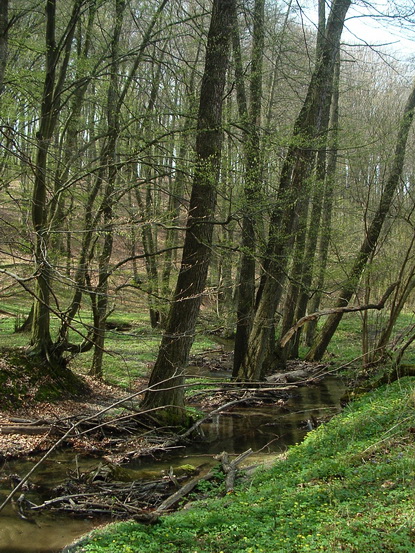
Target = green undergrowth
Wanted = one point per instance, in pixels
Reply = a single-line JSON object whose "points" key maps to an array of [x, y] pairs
{"points": [[349, 487], [131, 344]]}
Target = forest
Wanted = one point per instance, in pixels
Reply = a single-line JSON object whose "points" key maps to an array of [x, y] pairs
{"points": [[174, 159], [182, 173]]}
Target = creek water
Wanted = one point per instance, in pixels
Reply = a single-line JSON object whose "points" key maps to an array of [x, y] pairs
{"points": [[267, 429]]}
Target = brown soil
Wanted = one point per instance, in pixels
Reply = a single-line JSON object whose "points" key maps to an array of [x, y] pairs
{"points": [[99, 396]]}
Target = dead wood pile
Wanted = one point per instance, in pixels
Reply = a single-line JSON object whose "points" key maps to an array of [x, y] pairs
{"points": [[95, 494]]}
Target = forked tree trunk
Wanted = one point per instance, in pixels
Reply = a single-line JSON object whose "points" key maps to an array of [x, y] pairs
{"points": [[167, 377], [41, 342], [369, 243]]}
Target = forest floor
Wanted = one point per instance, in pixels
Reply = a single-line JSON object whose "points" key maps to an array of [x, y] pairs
{"points": [[39, 424], [98, 397]]}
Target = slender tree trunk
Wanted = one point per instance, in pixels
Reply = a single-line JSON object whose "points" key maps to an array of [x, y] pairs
{"points": [[306, 237], [167, 378], [295, 171], [327, 208], [307, 267], [369, 243], [251, 121], [296, 280], [69, 154], [4, 31], [149, 247], [148, 232], [404, 288], [41, 338], [109, 161]]}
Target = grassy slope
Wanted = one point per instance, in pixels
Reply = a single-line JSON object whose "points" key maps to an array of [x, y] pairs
{"points": [[348, 487]]}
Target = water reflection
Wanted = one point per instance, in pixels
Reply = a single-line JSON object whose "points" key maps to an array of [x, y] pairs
{"points": [[45, 535], [271, 426]]}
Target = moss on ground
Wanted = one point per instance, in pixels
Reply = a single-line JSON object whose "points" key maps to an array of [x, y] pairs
{"points": [[349, 487], [22, 380]]}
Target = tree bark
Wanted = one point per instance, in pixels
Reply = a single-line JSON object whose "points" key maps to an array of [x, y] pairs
{"points": [[325, 166], [327, 209], [4, 30], [109, 161], [251, 121], [41, 338], [167, 378]]}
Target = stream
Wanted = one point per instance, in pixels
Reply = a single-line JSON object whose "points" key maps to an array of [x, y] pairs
{"points": [[267, 429]]}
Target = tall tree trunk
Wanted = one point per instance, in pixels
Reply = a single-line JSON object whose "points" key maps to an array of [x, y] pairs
{"points": [[369, 243], [178, 184], [167, 377], [69, 154], [109, 161], [327, 208], [308, 226], [41, 338], [306, 269], [295, 171], [251, 121]]}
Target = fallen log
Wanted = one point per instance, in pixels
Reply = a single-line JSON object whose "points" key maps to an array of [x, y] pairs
{"points": [[182, 492], [27, 429]]}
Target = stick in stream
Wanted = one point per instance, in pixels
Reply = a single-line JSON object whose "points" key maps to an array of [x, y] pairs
{"points": [[68, 433], [230, 467], [230, 471]]}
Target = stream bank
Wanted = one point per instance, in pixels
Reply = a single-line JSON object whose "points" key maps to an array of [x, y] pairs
{"points": [[349, 486], [266, 428]]}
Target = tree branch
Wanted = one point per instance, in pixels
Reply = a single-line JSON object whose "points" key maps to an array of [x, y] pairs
{"points": [[347, 309]]}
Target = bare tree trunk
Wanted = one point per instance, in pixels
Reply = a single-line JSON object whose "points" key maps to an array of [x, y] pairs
{"points": [[41, 338], [402, 292], [167, 378], [296, 169], [369, 243], [109, 161], [327, 208], [251, 121]]}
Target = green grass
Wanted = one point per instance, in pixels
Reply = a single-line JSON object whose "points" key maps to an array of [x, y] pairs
{"points": [[349, 487], [129, 354]]}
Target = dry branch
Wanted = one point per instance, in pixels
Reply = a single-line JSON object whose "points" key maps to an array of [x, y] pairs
{"points": [[347, 309], [230, 467]]}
